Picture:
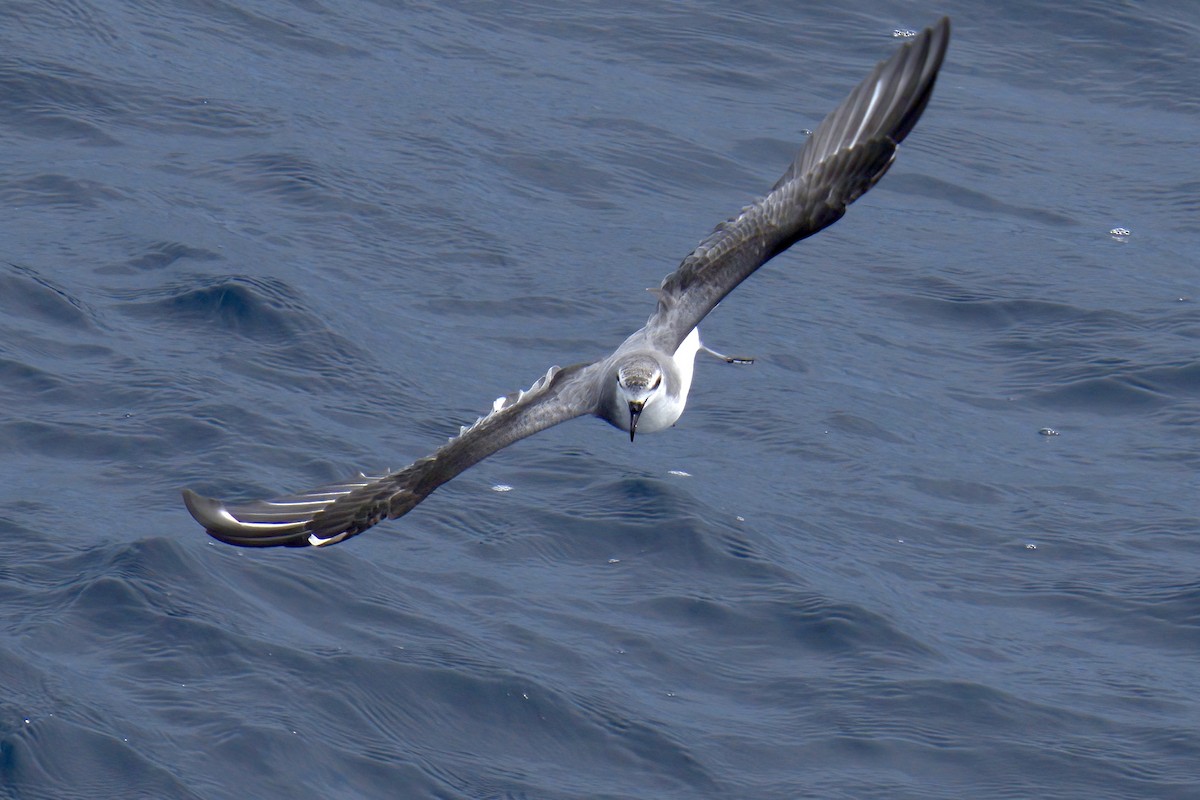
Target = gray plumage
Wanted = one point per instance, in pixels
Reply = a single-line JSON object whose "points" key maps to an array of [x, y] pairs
{"points": [[643, 385]]}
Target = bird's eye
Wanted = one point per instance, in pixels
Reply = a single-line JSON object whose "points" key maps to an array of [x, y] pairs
{"points": [[657, 381]]}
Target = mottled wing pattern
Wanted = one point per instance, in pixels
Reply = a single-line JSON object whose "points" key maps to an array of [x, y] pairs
{"points": [[334, 512], [846, 155]]}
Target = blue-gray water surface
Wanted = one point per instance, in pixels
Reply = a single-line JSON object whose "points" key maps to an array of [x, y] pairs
{"points": [[941, 541]]}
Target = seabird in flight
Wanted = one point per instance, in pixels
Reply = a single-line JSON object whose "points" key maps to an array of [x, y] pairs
{"points": [[643, 386]]}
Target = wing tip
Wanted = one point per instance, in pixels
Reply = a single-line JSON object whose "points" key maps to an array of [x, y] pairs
{"points": [[208, 511], [221, 524]]}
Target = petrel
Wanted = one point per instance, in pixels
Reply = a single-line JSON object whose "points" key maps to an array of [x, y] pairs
{"points": [[643, 386]]}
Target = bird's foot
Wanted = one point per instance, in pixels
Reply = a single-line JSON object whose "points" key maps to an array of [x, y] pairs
{"points": [[725, 358]]}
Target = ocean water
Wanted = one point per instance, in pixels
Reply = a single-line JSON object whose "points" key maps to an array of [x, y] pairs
{"points": [[941, 541]]}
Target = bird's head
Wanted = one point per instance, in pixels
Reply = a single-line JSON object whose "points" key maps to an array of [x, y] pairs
{"points": [[639, 383]]}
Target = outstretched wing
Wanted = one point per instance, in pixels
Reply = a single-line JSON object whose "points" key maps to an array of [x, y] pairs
{"points": [[846, 155], [332, 513]]}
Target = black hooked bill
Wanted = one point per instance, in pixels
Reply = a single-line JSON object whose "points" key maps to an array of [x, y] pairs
{"points": [[635, 411]]}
